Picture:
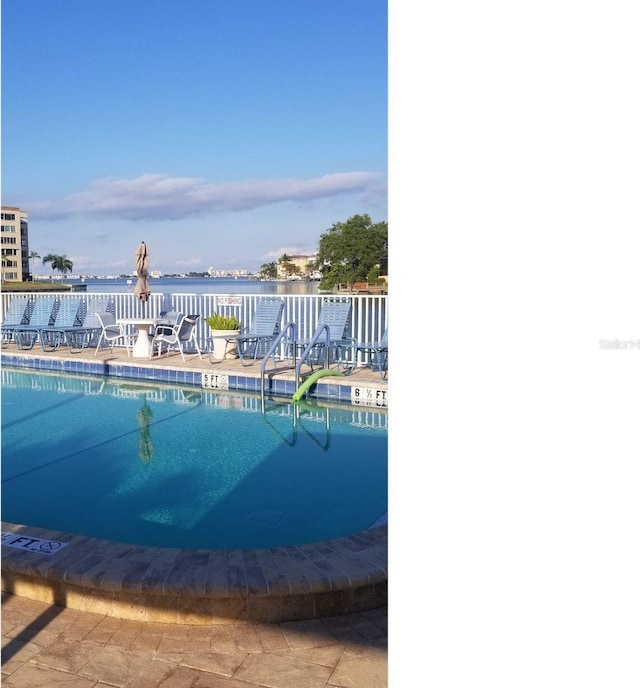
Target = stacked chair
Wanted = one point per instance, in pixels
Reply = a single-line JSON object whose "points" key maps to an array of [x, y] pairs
{"points": [[66, 319], [78, 338], [17, 315], [25, 336]]}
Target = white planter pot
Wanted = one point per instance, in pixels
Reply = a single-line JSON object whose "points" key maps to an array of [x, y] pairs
{"points": [[223, 348]]}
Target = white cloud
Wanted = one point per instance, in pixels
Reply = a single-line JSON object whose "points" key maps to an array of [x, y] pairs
{"points": [[158, 197]]}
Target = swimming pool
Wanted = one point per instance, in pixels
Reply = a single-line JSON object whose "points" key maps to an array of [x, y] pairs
{"points": [[170, 466]]}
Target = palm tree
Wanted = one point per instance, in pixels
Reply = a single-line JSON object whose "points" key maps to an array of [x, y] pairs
{"points": [[50, 258], [269, 270], [32, 256], [286, 265], [64, 265], [61, 263]]}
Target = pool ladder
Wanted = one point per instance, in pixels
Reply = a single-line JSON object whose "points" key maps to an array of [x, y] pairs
{"points": [[290, 327]]}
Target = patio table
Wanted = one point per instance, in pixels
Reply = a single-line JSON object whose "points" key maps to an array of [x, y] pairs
{"points": [[142, 345]]}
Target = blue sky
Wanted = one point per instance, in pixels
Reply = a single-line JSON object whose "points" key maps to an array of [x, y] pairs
{"points": [[223, 133]]}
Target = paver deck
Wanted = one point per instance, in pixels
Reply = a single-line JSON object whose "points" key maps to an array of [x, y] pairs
{"points": [[45, 645]]}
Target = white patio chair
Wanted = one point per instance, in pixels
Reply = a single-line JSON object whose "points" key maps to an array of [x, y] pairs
{"points": [[112, 333], [177, 336]]}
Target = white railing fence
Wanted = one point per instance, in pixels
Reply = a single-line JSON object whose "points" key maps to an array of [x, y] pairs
{"points": [[369, 314]]}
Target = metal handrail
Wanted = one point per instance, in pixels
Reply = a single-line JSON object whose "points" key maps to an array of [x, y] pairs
{"points": [[313, 342], [272, 350]]}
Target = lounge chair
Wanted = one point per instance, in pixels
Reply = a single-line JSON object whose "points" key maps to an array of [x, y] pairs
{"points": [[329, 340], [112, 332], [377, 353], [17, 315], [255, 339], [176, 336], [25, 336], [80, 336], [67, 317]]}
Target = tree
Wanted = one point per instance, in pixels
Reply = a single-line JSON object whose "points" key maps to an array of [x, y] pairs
{"points": [[348, 251], [49, 258], [60, 263], [373, 275], [269, 270], [32, 256], [286, 265]]}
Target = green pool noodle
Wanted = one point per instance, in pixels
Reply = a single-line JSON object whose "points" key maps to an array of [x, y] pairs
{"points": [[297, 395]]}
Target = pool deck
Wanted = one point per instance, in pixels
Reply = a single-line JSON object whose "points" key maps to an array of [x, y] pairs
{"points": [[44, 645], [344, 576]]}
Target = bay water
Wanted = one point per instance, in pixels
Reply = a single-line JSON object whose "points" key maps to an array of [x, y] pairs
{"points": [[199, 285]]}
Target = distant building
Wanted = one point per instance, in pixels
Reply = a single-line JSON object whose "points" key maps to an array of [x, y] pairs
{"points": [[14, 238], [299, 262], [237, 272]]}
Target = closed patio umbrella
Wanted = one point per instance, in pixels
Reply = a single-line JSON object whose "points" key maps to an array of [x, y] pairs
{"points": [[142, 290]]}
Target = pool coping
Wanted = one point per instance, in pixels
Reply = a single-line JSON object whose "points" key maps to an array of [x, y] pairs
{"points": [[361, 387], [196, 586]]}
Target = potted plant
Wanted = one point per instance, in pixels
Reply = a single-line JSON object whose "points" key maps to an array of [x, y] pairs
{"points": [[223, 329]]}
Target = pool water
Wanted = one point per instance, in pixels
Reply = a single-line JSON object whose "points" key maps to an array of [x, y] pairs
{"points": [[171, 466]]}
